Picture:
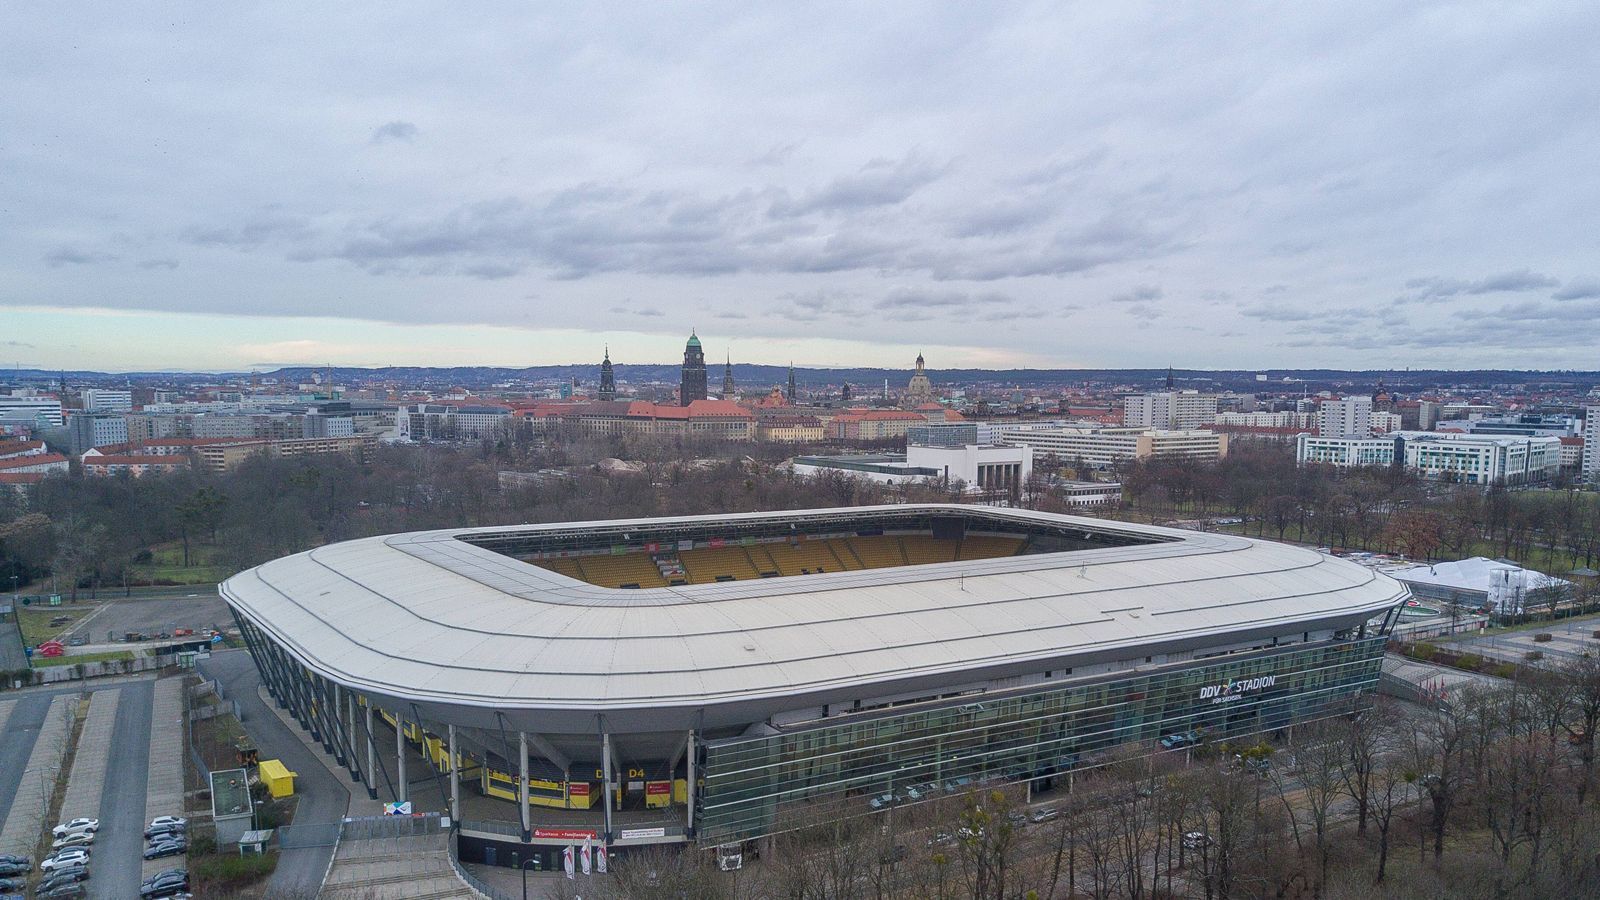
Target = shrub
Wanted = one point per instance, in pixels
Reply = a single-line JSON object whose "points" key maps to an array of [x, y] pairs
{"points": [[1533, 654], [1470, 661], [1505, 670], [1542, 637], [1423, 651], [216, 874]]}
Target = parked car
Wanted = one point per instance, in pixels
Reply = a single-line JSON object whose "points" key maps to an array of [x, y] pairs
{"points": [[61, 891], [62, 876], [16, 860], [1043, 814], [1195, 840], [889, 857], [75, 826], [1017, 819], [7, 885], [76, 839], [165, 884], [162, 821], [9, 869], [62, 859], [882, 801], [161, 831], [166, 848]]}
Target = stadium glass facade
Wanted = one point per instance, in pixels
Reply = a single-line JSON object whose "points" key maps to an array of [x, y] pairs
{"points": [[761, 785]]}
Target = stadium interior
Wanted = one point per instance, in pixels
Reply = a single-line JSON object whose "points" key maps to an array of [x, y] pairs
{"points": [[640, 556]]}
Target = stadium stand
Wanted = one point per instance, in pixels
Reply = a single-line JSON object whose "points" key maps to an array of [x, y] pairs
{"points": [[921, 550], [978, 546], [738, 562], [631, 570], [709, 564]]}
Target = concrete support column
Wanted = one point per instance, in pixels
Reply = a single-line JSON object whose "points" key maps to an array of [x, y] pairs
{"points": [[350, 729], [324, 713], [372, 758], [522, 786], [689, 795], [400, 787], [605, 771], [455, 776]]}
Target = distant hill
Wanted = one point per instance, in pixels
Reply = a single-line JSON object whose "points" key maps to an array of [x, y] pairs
{"points": [[865, 380]]}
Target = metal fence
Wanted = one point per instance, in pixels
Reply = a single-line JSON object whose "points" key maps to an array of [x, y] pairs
{"points": [[477, 884], [371, 828], [295, 837]]}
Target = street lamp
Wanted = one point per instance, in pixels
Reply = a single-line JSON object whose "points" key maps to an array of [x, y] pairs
{"points": [[524, 867]]}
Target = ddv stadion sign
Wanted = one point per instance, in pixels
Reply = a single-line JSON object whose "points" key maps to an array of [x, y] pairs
{"points": [[1235, 688]]}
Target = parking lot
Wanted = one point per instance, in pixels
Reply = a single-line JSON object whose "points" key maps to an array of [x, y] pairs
{"points": [[127, 767], [107, 622]]}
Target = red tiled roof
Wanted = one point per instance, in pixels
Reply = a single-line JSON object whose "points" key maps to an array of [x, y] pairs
{"points": [[21, 462], [22, 477], [136, 460], [17, 448]]}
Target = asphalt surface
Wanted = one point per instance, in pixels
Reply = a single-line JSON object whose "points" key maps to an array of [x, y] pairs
{"points": [[119, 845], [16, 742], [12, 656], [323, 798], [152, 616]]}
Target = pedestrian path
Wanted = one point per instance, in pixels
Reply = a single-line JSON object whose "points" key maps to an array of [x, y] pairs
{"points": [[88, 777], [5, 713], [24, 822]]}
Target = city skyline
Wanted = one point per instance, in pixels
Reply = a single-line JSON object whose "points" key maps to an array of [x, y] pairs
{"points": [[1353, 187]]}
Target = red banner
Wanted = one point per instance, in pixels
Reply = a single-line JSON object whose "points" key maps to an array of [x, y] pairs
{"points": [[578, 789], [565, 834], [656, 788]]}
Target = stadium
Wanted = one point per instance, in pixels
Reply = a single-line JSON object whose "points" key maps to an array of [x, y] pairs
{"points": [[729, 676]]}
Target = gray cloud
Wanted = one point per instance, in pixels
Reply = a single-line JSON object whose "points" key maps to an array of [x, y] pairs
{"points": [[798, 170], [1144, 293], [73, 256], [1579, 289], [907, 298], [394, 131], [646, 311], [1517, 280]]}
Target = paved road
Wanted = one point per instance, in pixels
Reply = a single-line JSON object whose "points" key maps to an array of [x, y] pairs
{"points": [[119, 847], [17, 735], [323, 798], [12, 656]]}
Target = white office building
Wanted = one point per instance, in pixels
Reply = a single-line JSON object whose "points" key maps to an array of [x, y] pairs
{"points": [[1284, 419], [104, 400], [31, 410], [449, 422], [1481, 459], [1591, 443], [1350, 417], [1102, 448], [1170, 410]]}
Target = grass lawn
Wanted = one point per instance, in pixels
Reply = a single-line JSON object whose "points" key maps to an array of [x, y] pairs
{"points": [[40, 661], [166, 565], [35, 621]]}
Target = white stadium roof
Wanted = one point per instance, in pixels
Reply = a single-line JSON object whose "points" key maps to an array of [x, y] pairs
{"points": [[432, 619]]}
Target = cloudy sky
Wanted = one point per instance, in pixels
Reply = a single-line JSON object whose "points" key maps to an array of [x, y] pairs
{"points": [[1100, 184]]}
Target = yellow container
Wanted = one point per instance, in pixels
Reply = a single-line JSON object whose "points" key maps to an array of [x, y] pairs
{"points": [[278, 779]]}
